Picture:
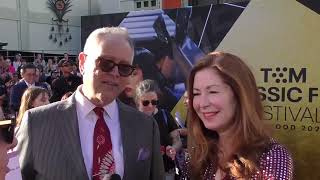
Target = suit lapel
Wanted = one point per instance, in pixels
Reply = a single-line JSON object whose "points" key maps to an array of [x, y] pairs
{"points": [[70, 133], [24, 84], [127, 138]]}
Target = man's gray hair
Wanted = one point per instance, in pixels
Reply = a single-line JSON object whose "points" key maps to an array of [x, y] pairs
{"points": [[99, 33]]}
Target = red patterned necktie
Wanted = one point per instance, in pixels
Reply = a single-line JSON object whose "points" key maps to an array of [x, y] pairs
{"points": [[103, 162]]}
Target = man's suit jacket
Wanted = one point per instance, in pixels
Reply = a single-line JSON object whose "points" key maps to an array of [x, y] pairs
{"points": [[17, 92], [50, 148]]}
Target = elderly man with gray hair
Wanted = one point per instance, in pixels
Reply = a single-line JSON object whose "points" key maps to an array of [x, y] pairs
{"points": [[91, 135]]}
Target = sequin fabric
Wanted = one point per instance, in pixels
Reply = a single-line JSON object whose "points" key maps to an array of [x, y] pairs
{"points": [[274, 164]]}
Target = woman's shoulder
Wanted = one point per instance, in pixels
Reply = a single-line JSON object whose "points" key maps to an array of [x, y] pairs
{"points": [[275, 149], [276, 161]]}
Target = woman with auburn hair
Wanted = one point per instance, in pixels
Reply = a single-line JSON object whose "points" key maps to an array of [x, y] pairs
{"points": [[31, 98], [227, 137]]}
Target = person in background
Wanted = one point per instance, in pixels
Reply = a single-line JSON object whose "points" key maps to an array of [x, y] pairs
{"points": [[6, 85], [3, 96], [66, 56], [7, 142], [3, 64], [40, 75], [23, 62], [31, 98], [55, 63], [37, 61], [17, 61], [9, 84], [227, 137], [147, 98], [43, 63], [67, 82], [146, 68], [54, 75], [50, 67], [10, 66], [2, 114], [28, 80], [42, 83], [127, 96], [91, 134], [75, 70]]}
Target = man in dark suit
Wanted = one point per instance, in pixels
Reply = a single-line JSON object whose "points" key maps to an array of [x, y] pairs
{"points": [[67, 82], [28, 73], [91, 135]]}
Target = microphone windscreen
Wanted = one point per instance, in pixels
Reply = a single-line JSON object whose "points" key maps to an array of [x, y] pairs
{"points": [[115, 177]]}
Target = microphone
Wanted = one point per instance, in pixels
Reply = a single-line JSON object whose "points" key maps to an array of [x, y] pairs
{"points": [[115, 177]]}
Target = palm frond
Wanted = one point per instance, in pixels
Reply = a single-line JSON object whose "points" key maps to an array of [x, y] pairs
{"points": [[68, 5], [51, 4]]}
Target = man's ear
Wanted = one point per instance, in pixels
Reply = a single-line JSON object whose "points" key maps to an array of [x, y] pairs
{"points": [[82, 58]]}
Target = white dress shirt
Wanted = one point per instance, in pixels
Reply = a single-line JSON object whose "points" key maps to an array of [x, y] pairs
{"points": [[29, 85], [87, 120]]}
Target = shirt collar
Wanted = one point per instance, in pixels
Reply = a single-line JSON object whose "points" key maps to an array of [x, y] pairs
{"points": [[86, 106], [111, 109], [29, 85]]}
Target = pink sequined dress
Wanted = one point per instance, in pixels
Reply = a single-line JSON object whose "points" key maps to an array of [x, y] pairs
{"points": [[274, 164]]}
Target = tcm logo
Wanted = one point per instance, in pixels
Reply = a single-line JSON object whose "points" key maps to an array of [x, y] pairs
{"points": [[284, 75], [293, 92]]}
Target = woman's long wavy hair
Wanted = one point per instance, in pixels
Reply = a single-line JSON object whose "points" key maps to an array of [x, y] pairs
{"points": [[250, 135], [27, 100]]}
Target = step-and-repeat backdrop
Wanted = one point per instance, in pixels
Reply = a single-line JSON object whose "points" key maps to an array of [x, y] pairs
{"points": [[279, 40]]}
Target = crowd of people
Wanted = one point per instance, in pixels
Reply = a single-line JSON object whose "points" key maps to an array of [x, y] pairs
{"points": [[106, 121], [57, 76]]}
